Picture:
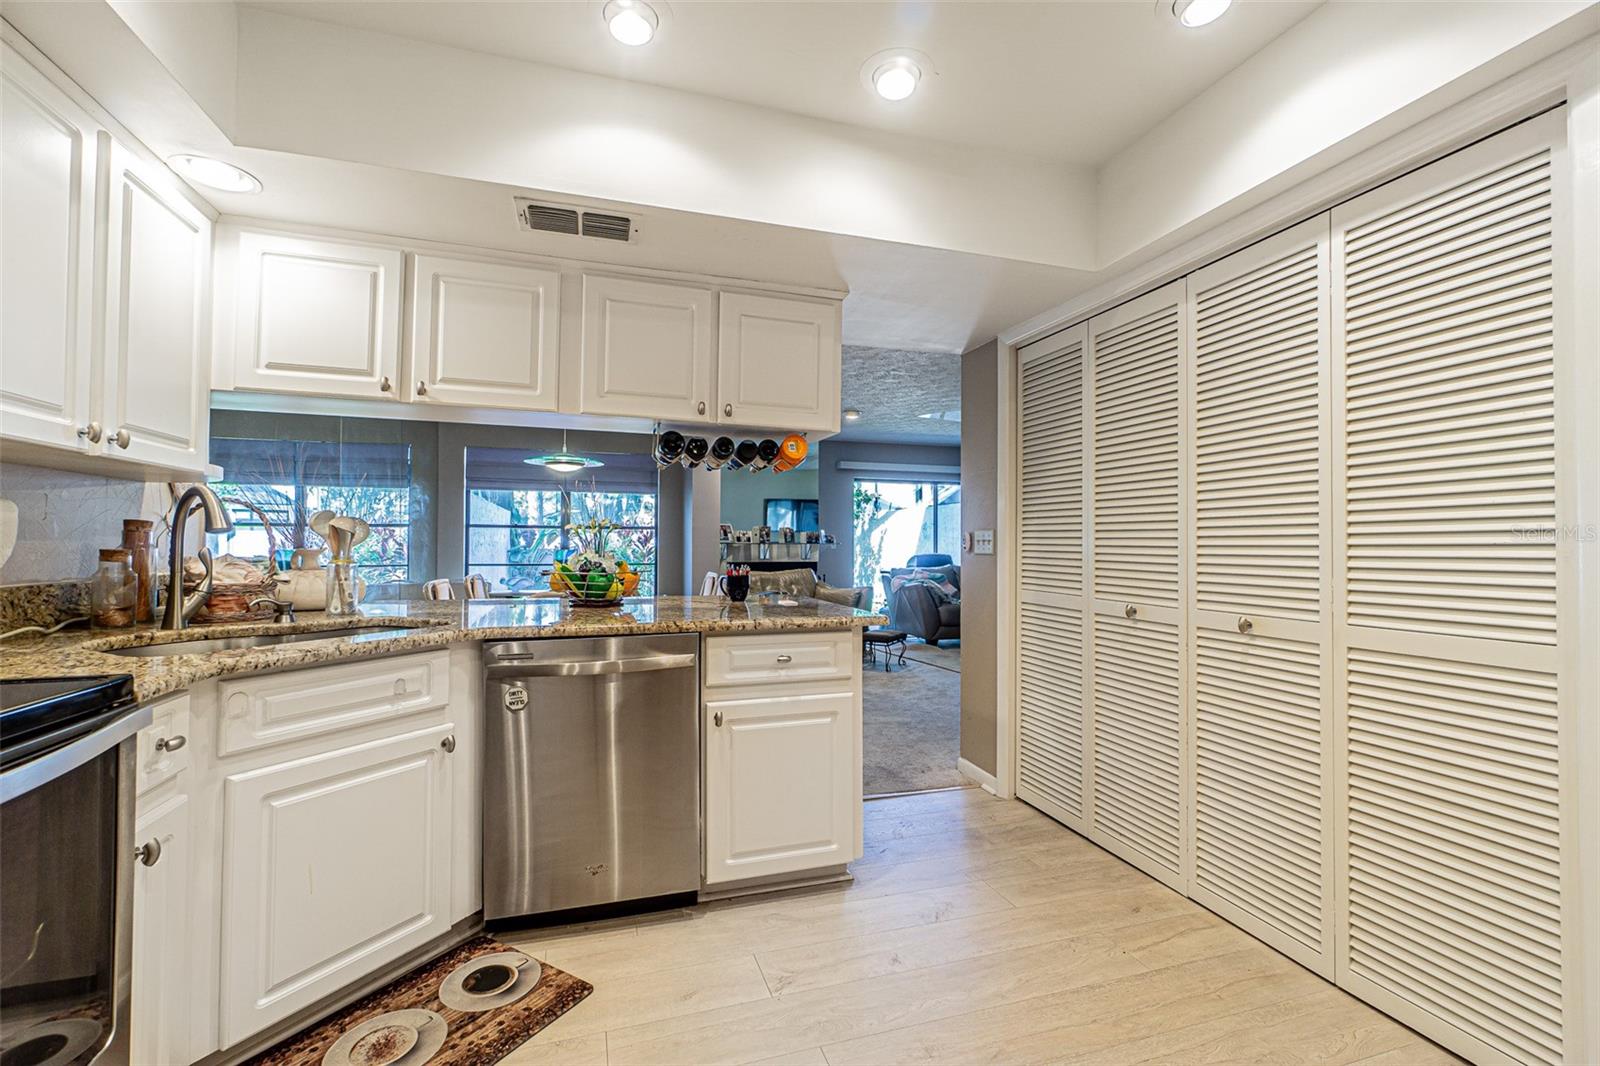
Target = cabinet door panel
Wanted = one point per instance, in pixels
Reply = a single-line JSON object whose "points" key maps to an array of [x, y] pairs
{"points": [[333, 865], [319, 317], [778, 362], [781, 782], [47, 175], [486, 334], [157, 346], [161, 937], [646, 349]]}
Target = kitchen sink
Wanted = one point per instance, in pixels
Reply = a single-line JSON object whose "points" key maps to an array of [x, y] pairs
{"points": [[205, 645]]}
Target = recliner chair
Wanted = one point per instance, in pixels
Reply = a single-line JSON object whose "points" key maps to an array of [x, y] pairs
{"points": [[914, 609]]}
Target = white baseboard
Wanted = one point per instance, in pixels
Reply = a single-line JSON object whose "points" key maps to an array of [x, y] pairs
{"points": [[984, 778]]}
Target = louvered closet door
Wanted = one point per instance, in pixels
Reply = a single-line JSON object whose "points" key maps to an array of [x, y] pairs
{"points": [[1137, 672], [1459, 892], [1262, 720], [1050, 705]]}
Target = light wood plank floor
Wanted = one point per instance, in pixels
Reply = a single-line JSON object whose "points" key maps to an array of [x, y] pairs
{"points": [[977, 930]]}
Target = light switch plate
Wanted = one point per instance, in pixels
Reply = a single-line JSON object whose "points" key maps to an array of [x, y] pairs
{"points": [[983, 542]]}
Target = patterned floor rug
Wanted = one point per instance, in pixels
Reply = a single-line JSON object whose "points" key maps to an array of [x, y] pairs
{"points": [[474, 1005]]}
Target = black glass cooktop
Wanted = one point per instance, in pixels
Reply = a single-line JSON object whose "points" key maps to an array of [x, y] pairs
{"points": [[41, 713]]}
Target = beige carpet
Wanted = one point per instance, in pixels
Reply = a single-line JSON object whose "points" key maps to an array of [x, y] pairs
{"points": [[912, 721]]}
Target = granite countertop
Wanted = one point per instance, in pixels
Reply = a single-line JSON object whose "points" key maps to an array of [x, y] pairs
{"points": [[402, 626]]}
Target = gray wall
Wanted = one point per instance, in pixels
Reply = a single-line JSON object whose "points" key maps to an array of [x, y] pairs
{"points": [[978, 574], [835, 486], [745, 495]]}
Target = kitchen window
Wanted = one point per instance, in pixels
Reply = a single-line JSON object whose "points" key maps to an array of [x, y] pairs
{"points": [[288, 481], [518, 515]]}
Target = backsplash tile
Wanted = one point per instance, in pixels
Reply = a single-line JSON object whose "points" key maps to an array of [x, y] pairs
{"points": [[63, 519]]}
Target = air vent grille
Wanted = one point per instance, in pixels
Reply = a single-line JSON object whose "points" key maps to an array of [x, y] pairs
{"points": [[559, 218]]}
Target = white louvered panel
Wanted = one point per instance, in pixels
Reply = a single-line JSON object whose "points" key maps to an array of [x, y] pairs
{"points": [[1052, 470], [1136, 458], [1258, 349], [1259, 782], [1449, 406], [1454, 844], [1050, 708], [1137, 749]]}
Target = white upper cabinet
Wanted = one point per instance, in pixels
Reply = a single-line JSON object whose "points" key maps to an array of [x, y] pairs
{"points": [[646, 349], [157, 365], [778, 362], [484, 334], [317, 316], [47, 172]]}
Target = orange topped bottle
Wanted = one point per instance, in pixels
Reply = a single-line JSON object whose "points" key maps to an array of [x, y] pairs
{"points": [[791, 453]]}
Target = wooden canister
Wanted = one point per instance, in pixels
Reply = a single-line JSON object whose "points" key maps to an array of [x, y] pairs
{"points": [[137, 537]]}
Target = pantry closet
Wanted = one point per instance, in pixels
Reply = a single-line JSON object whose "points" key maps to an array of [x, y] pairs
{"points": [[1294, 620]]}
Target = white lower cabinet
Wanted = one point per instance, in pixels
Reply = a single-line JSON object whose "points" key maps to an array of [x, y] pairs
{"points": [[161, 971], [782, 783], [333, 864]]}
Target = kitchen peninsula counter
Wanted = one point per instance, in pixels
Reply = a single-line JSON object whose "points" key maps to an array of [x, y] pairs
{"points": [[401, 626]]}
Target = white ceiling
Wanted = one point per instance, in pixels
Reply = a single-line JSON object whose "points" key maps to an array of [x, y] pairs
{"points": [[1006, 75], [904, 397]]}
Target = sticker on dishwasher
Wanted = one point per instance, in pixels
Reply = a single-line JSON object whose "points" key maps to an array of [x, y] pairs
{"points": [[516, 698]]}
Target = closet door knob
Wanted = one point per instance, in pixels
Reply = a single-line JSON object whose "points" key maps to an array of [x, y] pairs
{"points": [[1245, 625], [385, 385], [122, 438], [727, 409], [93, 432], [1130, 611], [422, 388]]}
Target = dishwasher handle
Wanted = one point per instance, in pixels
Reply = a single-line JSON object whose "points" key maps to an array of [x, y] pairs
{"points": [[591, 668]]}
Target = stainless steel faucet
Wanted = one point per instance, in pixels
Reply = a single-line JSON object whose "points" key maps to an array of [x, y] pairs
{"points": [[181, 608]]}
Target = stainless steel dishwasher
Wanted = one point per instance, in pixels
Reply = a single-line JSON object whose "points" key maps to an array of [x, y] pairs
{"points": [[592, 772]]}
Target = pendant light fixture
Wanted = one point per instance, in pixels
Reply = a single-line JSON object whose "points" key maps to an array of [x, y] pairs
{"points": [[564, 461]]}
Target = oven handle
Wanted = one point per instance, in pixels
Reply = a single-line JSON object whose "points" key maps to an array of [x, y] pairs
{"points": [[580, 668], [67, 758]]}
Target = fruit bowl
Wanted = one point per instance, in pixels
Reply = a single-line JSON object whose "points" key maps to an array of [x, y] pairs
{"points": [[595, 587]]}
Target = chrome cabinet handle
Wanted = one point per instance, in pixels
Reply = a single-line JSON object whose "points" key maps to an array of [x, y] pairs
{"points": [[448, 743], [1130, 611], [422, 388], [121, 438], [148, 854], [93, 432], [727, 409], [786, 658], [717, 719], [1245, 625], [701, 407], [385, 385], [174, 743]]}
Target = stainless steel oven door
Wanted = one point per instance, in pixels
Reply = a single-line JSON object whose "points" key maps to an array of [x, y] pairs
{"points": [[66, 900]]}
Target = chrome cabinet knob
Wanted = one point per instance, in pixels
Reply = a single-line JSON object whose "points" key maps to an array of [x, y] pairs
{"points": [[148, 854], [786, 658], [1245, 625], [422, 388], [727, 409], [175, 743], [1130, 611], [92, 432], [701, 407], [122, 438], [716, 719], [448, 743], [385, 385]]}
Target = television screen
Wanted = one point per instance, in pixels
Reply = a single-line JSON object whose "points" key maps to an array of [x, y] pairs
{"points": [[798, 515]]}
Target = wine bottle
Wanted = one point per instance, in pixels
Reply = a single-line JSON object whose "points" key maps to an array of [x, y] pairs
{"points": [[721, 452], [744, 455], [766, 452], [694, 450], [669, 447]]}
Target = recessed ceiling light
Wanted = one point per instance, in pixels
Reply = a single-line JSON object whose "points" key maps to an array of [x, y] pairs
{"points": [[894, 73], [215, 174], [851, 414], [633, 22], [1196, 13]]}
